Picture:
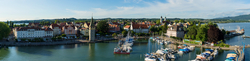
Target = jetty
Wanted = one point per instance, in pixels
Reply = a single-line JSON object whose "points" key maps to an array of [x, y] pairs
{"points": [[204, 46]]}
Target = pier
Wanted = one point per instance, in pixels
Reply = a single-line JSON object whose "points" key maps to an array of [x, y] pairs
{"points": [[203, 46]]}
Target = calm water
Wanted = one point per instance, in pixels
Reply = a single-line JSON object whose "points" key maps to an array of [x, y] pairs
{"points": [[104, 51]]}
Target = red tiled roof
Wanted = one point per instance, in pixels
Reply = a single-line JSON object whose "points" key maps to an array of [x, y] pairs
{"points": [[54, 25], [137, 26], [69, 26], [116, 23], [25, 28], [62, 24], [127, 26], [48, 29]]}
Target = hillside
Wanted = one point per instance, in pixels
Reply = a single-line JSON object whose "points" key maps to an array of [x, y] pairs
{"points": [[240, 17]]}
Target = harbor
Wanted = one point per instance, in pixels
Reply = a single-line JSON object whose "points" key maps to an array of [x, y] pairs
{"points": [[105, 51]]}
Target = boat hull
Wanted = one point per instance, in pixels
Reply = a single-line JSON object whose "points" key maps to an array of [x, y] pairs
{"points": [[121, 53]]}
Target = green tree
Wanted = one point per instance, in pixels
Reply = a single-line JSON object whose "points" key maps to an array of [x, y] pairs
{"points": [[214, 34], [202, 33], [63, 35], [103, 26], [132, 32], [192, 31], [153, 28], [124, 32], [199, 24], [4, 30], [158, 22], [114, 34], [182, 21], [223, 32], [165, 28], [176, 21], [56, 21], [185, 36]]}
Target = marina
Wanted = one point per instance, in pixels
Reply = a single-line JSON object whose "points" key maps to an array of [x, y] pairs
{"points": [[105, 51]]}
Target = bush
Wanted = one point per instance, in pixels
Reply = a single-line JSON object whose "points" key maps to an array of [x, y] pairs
{"points": [[63, 35], [222, 45]]}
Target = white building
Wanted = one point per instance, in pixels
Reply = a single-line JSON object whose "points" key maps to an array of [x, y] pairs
{"points": [[56, 29], [32, 32], [139, 28]]}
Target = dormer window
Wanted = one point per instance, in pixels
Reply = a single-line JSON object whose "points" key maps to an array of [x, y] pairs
{"points": [[171, 28]]}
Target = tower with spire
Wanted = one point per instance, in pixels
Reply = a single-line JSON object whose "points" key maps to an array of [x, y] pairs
{"points": [[165, 19], [92, 31], [161, 19]]}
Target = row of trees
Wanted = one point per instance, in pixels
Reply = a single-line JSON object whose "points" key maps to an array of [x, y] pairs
{"points": [[206, 32], [4, 30]]}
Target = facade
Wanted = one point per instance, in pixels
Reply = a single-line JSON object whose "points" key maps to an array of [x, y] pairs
{"points": [[86, 25], [84, 31], [161, 19], [69, 30], [127, 27], [175, 31], [56, 29], [32, 32], [139, 28], [114, 27], [92, 31]]}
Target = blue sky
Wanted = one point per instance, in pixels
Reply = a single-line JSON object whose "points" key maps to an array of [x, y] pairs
{"points": [[50, 9]]}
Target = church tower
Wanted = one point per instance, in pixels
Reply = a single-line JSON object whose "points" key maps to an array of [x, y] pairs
{"points": [[165, 19], [92, 31], [161, 19]]}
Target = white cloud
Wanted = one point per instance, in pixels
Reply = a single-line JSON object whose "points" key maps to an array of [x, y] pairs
{"points": [[173, 8], [135, 1]]}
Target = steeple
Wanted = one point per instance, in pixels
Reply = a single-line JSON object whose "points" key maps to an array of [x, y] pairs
{"points": [[92, 22]]}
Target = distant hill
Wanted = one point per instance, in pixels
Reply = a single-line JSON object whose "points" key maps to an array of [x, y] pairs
{"points": [[240, 17]]}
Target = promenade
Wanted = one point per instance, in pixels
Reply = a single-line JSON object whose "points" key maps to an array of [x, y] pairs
{"points": [[203, 46]]}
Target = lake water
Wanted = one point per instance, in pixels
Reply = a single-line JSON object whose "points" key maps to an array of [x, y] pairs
{"points": [[21, 23], [104, 51]]}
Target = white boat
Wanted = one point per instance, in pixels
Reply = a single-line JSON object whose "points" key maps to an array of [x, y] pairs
{"points": [[149, 59], [191, 48]]}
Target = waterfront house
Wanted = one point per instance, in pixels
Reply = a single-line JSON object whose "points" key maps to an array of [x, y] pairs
{"points": [[127, 27], [70, 31], [56, 29], [86, 25], [32, 32], [114, 27], [139, 28], [175, 31], [84, 31]]}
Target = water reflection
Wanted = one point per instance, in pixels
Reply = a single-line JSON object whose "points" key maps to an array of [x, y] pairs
{"points": [[4, 52], [37, 50]]}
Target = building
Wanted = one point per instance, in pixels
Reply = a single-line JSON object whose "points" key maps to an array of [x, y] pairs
{"points": [[139, 28], [161, 19], [114, 27], [69, 31], [56, 29], [32, 32], [86, 25], [84, 31], [127, 27], [34, 24], [92, 31], [175, 31]]}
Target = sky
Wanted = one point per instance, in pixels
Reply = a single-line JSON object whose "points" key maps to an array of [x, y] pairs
{"points": [[54, 9]]}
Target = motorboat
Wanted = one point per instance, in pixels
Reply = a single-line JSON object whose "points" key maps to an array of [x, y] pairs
{"points": [[231, 57], [121, 51]]}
